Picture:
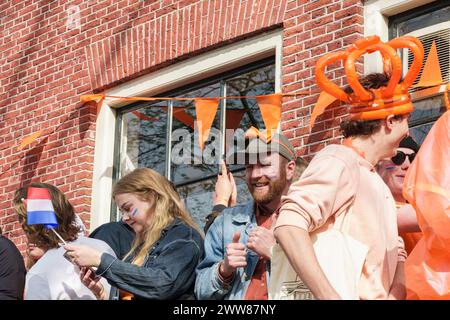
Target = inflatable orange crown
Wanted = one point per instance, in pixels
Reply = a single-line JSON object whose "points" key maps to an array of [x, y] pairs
{"points": [[374, 104]]}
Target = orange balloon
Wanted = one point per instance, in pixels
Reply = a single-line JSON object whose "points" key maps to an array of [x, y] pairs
{"points": [[427, 189], [393, 99]]}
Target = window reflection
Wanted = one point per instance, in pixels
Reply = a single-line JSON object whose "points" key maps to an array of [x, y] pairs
{"points": [[257, 82], [198, 196], [144, 138], [144, 135], [193, 166]]}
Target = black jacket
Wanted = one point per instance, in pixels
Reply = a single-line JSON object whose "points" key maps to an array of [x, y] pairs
{"points": [[12, 271]]}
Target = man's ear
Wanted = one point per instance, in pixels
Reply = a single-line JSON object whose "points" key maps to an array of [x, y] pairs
{"points": [[389, 122], [290, 169]]}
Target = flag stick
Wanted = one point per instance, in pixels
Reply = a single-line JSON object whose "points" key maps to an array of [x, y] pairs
{"points": [[57, 234]]}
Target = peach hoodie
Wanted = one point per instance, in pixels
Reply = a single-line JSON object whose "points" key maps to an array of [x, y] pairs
{"points": [[336, 178]]}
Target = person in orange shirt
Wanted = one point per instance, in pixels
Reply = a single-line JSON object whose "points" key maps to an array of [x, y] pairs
{"points": [[343, 177], [427, 189], [393, 172]]}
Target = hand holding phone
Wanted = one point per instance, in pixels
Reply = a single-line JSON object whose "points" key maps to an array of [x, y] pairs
{"points": [[90, 280], [83, 270]]}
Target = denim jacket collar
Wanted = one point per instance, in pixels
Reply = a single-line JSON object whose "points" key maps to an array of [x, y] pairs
{"points": [[175, 222], [245, 216]]}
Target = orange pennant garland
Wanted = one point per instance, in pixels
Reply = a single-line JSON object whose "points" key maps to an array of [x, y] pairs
{"points": [[431, 73], [324, 101], [270, 107], [142, 116], [30, 139], [234, 117], [183, 117], [92, 97], [205, 110], [233, 120], [97, 98]]}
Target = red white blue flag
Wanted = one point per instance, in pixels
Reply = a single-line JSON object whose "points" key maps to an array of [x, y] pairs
{"points": [[40, 208]]}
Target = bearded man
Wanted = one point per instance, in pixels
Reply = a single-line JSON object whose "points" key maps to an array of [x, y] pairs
{"points": [[238, 243]]}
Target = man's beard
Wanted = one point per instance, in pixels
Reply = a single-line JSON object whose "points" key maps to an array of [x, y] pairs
{"points": [[276, 188]]}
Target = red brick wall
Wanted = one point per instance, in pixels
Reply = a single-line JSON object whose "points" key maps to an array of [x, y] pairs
{"points": [[311, 29], [46, 66]]}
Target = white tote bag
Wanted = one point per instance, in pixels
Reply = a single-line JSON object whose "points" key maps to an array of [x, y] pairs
{"points": [[340, 256]]}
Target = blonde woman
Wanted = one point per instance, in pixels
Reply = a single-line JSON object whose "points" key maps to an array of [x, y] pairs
{"points": [[166, 249]]}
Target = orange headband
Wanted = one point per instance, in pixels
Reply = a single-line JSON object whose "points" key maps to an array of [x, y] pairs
{"points": [[372, 104]]}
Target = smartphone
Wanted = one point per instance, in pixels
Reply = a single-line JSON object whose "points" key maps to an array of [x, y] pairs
{"points": [[93, 276]]}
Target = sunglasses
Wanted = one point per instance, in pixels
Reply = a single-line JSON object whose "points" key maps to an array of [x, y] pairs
{"points": [[400, 157]]}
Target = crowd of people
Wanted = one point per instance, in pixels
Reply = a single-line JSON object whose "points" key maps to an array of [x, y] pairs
{"points": [[350, 194]]}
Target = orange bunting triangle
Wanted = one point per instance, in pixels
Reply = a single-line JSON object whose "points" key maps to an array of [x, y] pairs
{"points": [[183, 117], [205, 110], [92, 97], [324, 101], [142, 116], [431, 73], [180, 115], [97, 98], [233, 120], [30, 139], [270, 107], [234, 117], [446, 98]]}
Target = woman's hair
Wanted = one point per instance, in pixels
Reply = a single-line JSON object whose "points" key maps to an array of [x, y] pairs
{"points": [[65, 215], [148, 185]]}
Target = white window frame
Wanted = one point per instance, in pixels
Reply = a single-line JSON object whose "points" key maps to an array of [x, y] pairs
{"points": [[376, 20], [176, 75]]}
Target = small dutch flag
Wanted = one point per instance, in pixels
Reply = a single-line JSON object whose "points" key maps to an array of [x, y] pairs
{"points": [[40, 208]]}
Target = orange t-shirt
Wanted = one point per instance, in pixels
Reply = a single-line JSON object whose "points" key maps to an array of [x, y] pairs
{"points": [[257, 288], [409, 238]]}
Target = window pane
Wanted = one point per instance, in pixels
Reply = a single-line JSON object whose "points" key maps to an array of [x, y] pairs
{"points": [[144, 142], [427, 109], [198, 196], [198, 199], [257, 82], [144, 138], [423, 21], [187, 162]]}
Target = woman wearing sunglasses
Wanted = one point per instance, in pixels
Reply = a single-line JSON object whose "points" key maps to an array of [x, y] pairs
{"points": [[393, 172]]}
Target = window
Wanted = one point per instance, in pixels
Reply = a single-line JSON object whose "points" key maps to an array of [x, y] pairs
{"points": [[149, 137], [429, 23]]}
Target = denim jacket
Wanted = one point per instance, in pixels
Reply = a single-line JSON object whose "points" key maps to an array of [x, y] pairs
{"points": [[220, 234], [168, 271]]}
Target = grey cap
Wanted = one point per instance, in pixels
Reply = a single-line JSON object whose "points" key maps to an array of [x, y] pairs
{"points": [[258, 146]]}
